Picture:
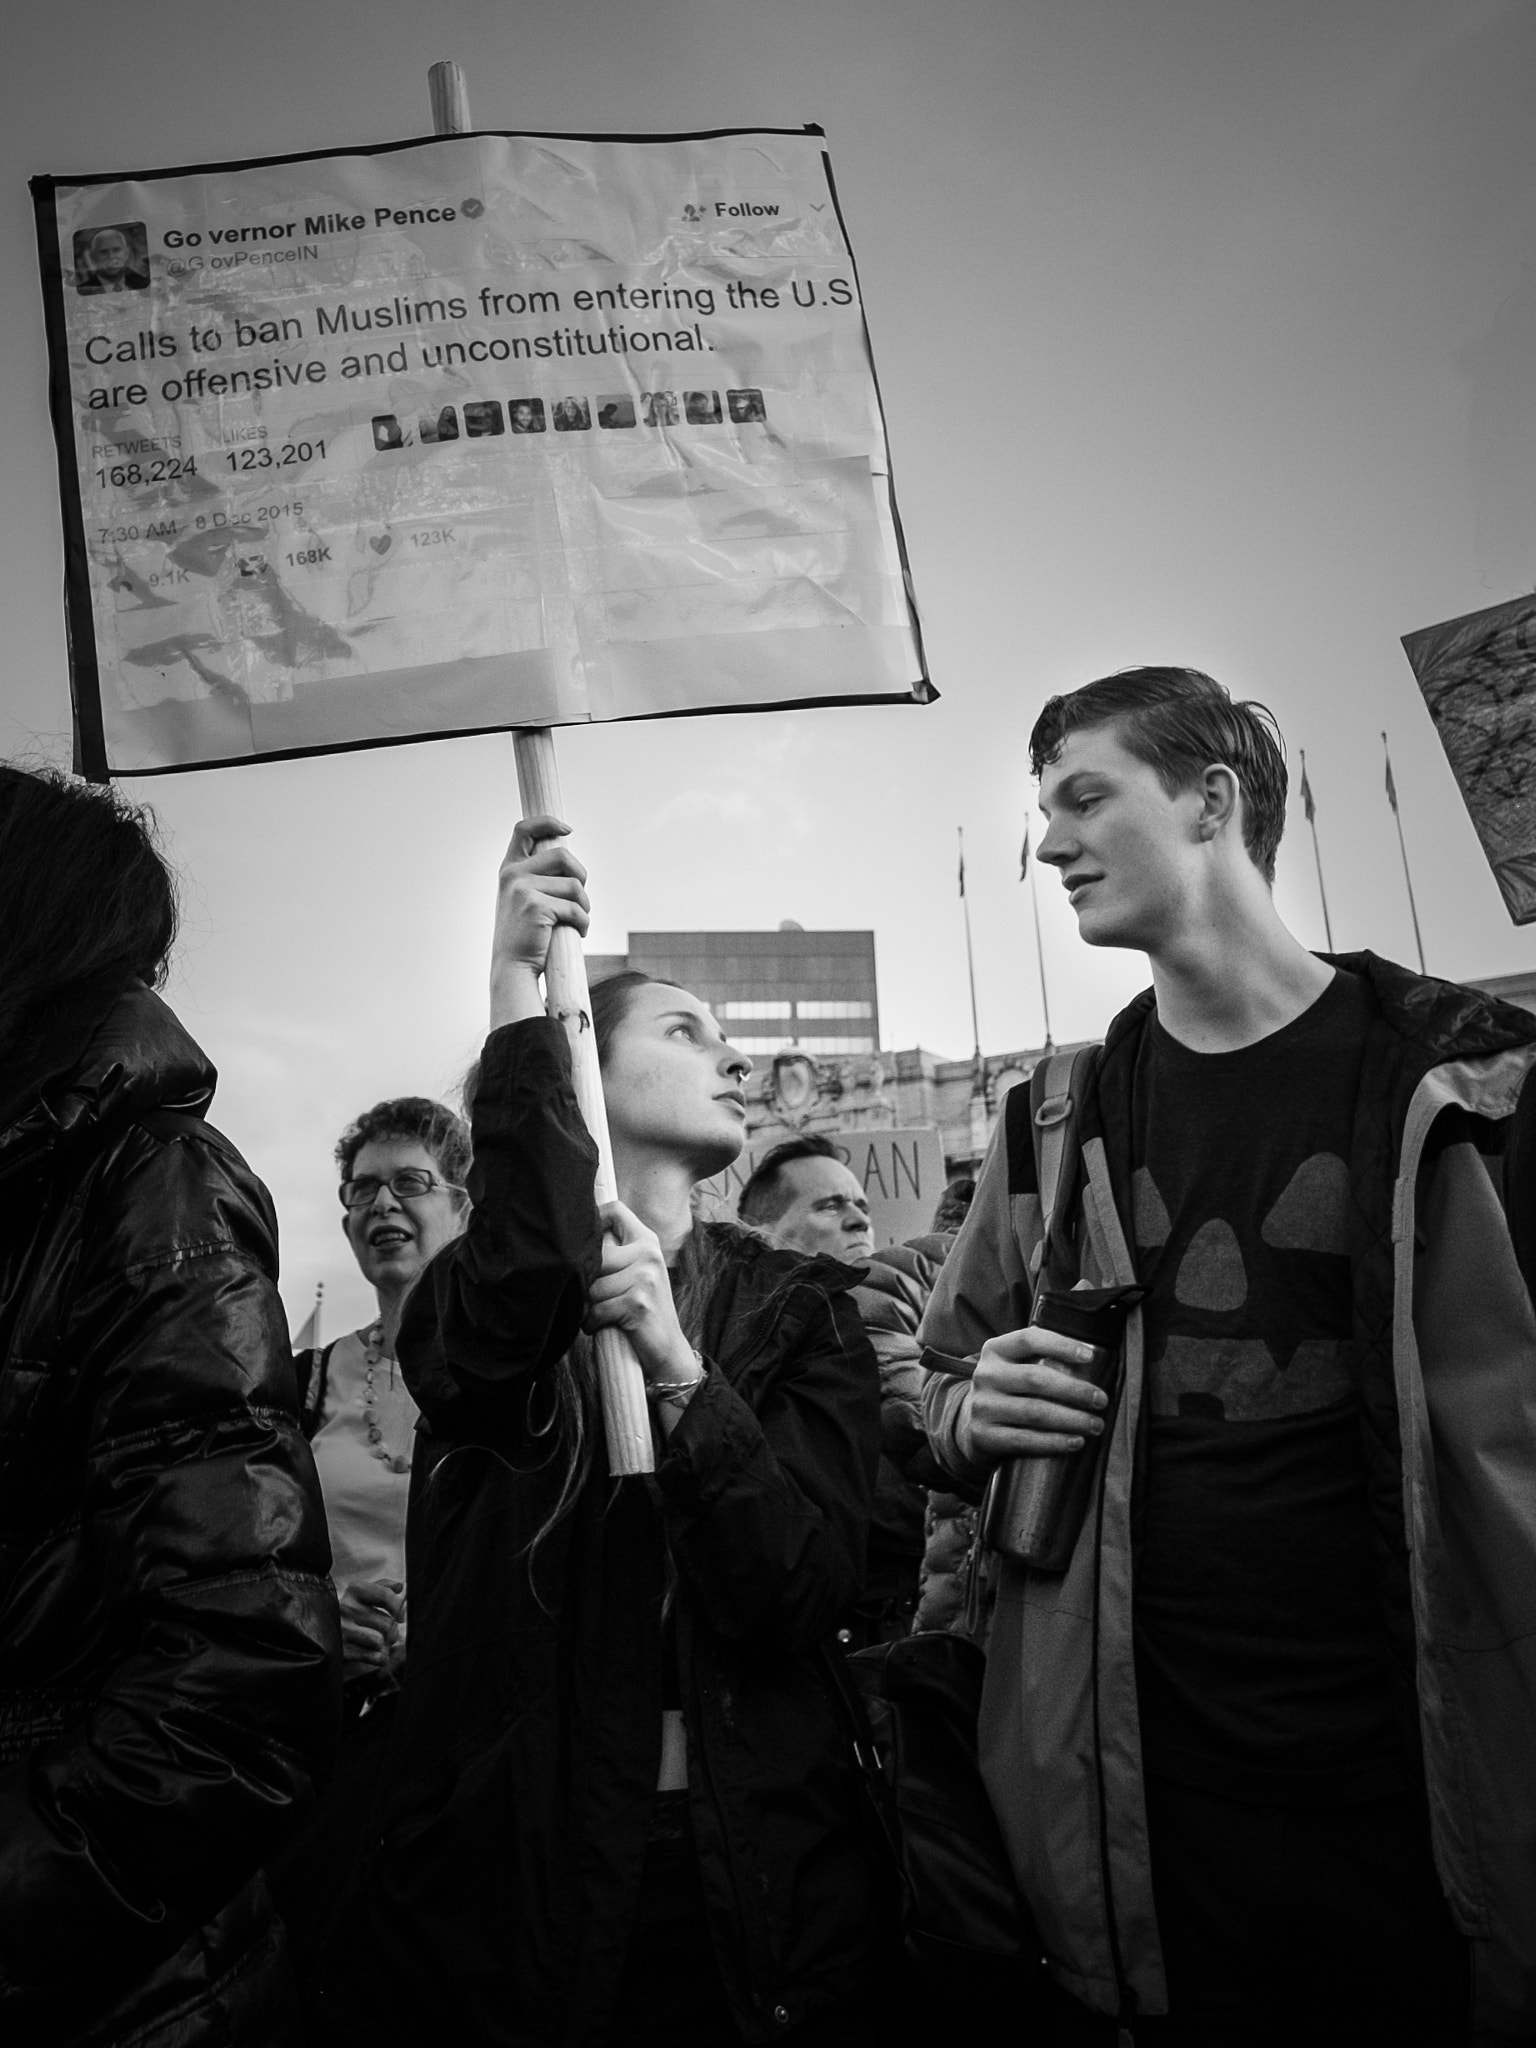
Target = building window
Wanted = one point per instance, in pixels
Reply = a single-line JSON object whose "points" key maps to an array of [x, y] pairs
{"points": [[755, 1010], [761, 1045], [825, 1045], [826, 1012]]}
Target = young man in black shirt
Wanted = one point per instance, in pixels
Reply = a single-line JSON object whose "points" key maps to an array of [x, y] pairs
{"points": [[1263, 1752]]}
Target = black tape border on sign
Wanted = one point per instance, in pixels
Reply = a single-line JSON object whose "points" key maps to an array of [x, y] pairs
{"points": [[924, 683], [90, 740], [90, 748], [306, 156]]}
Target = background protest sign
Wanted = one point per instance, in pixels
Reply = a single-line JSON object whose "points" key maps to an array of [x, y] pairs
{"points": [[1478, 675], [901, 1172], [462, 434]]}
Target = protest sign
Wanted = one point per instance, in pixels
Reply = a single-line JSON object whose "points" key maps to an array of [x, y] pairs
{"points": [[1478, 676], [468, 433], [901, 1172]]}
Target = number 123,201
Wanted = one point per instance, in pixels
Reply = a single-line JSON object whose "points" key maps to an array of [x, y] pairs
{"points": [[286, 457]]}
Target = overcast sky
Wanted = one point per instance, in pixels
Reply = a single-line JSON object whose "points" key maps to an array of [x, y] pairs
{"points": [[1206, 331]]}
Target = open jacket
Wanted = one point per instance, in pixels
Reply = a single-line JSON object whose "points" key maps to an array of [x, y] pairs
{"points": [[169, 1649], [1445, 1358], [893, 1288], [523, 1763], [891, 1299]]}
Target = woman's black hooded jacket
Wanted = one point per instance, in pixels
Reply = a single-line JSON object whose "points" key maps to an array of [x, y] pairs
{"points": [[169, 1654], [525, 1754]]}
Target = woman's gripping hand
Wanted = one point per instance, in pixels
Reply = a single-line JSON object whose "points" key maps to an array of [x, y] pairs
{"points": [[538, 888], [633, 1293]]}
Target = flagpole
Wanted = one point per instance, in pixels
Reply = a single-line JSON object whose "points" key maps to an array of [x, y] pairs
{"points": [[1402, 844], [1317, 851], [970, 966], [1027, 867]]}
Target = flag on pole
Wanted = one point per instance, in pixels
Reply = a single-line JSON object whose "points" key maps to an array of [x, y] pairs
{"points": [[962, 863], [1310, 808], [1306, 794], [1024, 853], [308, 1338], [1402, 847]]}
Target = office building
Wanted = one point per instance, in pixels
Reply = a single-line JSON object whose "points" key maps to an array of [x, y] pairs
{"points": [[813, 992]]}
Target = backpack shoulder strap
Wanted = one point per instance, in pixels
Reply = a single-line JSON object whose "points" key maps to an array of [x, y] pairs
{"points": [[1056, 1090]]}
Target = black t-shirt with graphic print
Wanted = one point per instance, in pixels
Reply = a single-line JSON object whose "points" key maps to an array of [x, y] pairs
{"points": [[1261, 1655]]}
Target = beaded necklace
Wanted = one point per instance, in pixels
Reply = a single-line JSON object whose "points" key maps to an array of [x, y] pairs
{"points": [[373, 1356]]}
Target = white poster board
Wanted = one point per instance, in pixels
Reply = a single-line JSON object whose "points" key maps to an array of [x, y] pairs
{"points": [[462, 434], [900, 1171], [1478, 675]]}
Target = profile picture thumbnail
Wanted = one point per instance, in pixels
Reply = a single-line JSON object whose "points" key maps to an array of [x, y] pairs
{"points": [[112, 259], [701, 408], [388, 432], [483, 416], [572, 416], [615, 409], [440, 426], [745, 407], [526, 415], [659, 408]]}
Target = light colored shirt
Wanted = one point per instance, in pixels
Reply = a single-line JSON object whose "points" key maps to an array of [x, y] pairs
{"points": [[364, 1500]]}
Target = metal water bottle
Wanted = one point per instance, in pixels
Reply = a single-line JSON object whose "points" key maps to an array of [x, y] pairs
{"points": [[1034, 1507]]}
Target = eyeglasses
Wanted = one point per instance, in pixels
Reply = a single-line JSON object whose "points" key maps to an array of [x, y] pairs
{"points": [[409, 1181]]}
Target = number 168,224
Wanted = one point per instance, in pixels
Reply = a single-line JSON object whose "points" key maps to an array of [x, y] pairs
{"points": [[263, 457]]}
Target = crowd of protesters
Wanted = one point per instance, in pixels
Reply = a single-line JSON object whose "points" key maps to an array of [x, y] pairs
{"points": [[346, 1699]]}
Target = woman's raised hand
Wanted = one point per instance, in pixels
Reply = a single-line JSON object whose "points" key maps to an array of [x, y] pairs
{"points": [[540, 886], [634, 1293]]}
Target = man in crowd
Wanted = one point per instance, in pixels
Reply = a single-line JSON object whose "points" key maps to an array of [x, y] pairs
{"points": [[802, 1196], [891, 1300], [1262, 1752]]}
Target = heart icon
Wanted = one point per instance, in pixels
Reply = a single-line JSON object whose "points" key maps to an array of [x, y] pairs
{"points": [[382, 543]]}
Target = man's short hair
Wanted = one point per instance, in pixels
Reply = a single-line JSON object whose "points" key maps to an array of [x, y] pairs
{"points": [[767, 1194], [432, 1125], [1179, 721], [954, 1204]]}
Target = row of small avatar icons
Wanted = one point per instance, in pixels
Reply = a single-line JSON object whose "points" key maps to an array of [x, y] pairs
{"points": [[483, 416]]}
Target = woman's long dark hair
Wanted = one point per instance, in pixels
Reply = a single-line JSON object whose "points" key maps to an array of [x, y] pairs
{"points": [[575, 1417], [87, 904]]}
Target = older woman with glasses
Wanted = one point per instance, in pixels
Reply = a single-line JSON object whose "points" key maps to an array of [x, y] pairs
{"points": [[403, 1165], [402, 1172]]}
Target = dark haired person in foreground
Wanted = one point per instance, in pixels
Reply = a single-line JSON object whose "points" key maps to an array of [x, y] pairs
{"points": [[619, 1807], [1263, 1753], [169, 1662]]}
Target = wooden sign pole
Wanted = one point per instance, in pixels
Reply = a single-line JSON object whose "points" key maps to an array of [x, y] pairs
{"points": [[626, 1418]]}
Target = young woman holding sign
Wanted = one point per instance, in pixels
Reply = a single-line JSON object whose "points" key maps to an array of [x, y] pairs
{"points": [[621, 1809]]}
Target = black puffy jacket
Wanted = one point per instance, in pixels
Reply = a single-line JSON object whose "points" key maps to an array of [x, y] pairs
{"points": [[524, 1756], [169, 1654]]}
